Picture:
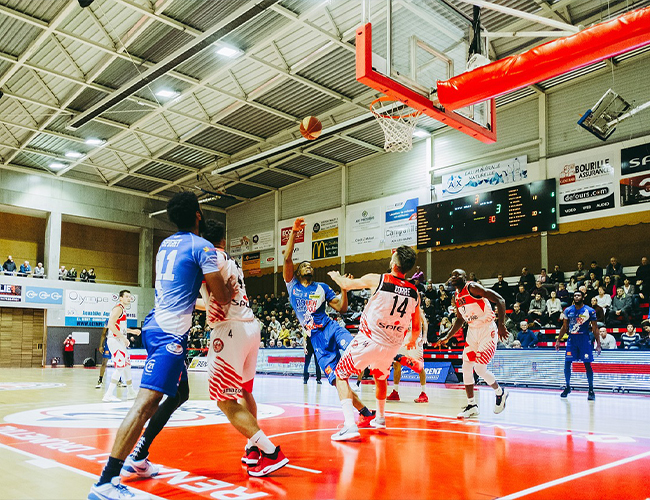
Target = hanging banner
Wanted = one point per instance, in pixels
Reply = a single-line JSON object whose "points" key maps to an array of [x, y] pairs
{"points": [[267, 258], [635, 159], [10, 293], [262, 241], [586, 184], [363, 218], [251, 261], [92, 309], [325, 229], [322, 227], [402, 210], [240, 245], [635, 190], [486, 177]]}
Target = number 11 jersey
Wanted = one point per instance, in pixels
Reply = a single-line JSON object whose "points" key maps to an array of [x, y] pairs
{"points": [[387, 316]]}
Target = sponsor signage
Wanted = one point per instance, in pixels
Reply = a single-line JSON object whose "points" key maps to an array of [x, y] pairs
{"points": [[262, 241], [436, 373], [401, 234], [635, 190], [363, 218], [635, 159], [42, 295], [325, 229], [486, 177], [402, 210], [251, 261], [285, 232], [10, 293], [323, 249], [240, 245], [92, 309], [586, 185], [319, 227]]}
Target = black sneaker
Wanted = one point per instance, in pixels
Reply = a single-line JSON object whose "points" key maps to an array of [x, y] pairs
{"points": [[591, 395], [565, 392]]}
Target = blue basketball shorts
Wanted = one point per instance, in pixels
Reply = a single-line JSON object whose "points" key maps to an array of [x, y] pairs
{"points": [[328, 342], [579, 348]]}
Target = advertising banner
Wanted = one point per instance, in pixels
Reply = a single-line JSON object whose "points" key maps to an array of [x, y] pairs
{"points": [[586, 184], [439, 373], [92, 309], [10, 293], [239, 246], [251, 261], [635, 159], [363, 218], [318, 240], [487, 177], [262, 241], [635, 190], [42, 295]]}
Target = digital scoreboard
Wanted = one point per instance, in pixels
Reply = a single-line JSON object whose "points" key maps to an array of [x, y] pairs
{"points": [[525, 209]]}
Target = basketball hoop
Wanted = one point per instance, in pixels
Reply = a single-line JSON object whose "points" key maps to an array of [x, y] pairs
{"points": [[398, 126]]}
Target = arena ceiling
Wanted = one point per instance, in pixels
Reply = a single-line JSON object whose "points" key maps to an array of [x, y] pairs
{"points": [[71, 110]]}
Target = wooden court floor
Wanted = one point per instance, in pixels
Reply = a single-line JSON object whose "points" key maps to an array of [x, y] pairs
{"points": [[55, 434]]}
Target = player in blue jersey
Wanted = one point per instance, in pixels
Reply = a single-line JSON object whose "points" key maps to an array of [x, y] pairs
{"points": [[308, 299], [183, 261], [578, 320]]}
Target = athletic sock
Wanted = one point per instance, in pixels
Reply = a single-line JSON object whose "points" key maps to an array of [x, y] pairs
{"points": [[111, 470], [423, 387], [471, 401], [498, 391], [365, 412], [260, 440], [381, 404], [348, 412]]}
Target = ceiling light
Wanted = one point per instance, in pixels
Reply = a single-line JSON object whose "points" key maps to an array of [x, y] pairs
{"points": [[95, 142], [57, 166], [74, 154], [227, 51], [421, 133], [167, 93]]}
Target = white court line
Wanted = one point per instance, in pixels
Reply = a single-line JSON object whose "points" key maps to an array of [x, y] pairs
{"points": [[67, 467], [578, 475], [444, 431], [313, 471]]}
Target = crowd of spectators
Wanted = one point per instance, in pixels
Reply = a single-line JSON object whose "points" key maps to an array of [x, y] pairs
{"points": [[9, 268], [86, 275]]}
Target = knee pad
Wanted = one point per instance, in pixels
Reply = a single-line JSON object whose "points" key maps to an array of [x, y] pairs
{"points": [[468, 373]]}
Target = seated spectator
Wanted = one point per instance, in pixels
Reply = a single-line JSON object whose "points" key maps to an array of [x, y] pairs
{"points": [[628, 288], [515, 318], [620, 310], [629, 337], [604, 300], [523, 297], [516, 345], [581, 273], [554, 310], [527, 280], [537, 311], [39, 271], [591, 280], [91, 275], [563, 294], [430, 292], [591, 289], [600, 312], [83, 276], [596, 269], [472, 277], [418, 275], [610, 288], [72, 275], [9, 267], [572, 285], [429, 310], [526, 337], [25, 269], [557, 276], [503, 288], [274, 325], [271, 343], [643, 344], [539, 288], [642, 282], [63, 273], [443, 304], [445, 326], [607, 341], [615, 271], [545, 280]]}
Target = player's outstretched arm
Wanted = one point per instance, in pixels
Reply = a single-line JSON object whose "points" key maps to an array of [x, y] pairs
{"points": [[349, 283], [458, 324], [480, 291], [287, 266]]}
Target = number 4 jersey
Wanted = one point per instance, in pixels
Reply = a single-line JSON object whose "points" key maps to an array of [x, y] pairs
{"points": [[387, 316]]}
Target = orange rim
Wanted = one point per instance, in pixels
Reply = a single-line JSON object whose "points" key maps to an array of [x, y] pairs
{"points": [[382, 115]]}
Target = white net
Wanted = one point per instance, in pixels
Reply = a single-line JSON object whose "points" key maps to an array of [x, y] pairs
{"points": [[398, 123]]}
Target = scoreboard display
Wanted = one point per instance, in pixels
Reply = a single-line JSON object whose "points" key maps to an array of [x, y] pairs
{"points": [[524, 209]]}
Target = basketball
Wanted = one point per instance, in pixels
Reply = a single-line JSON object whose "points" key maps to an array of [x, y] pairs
{"points": [[311, 128]]}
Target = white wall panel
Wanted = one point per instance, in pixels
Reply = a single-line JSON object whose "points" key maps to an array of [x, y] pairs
{"points": [[387, 174], [315, 195], [516, 124], [252, 217], [569, 102]]}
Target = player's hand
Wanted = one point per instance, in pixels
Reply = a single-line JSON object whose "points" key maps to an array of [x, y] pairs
{"points": [[126, 342], [598, 349], [335, 275], [557, 344], [298, 224], [412, 344], [502, 332], [136, 331]]}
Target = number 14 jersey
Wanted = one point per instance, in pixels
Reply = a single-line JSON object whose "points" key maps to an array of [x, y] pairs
{"points": [[387, 316]]}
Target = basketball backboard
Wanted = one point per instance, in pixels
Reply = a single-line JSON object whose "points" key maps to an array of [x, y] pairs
{"points": [[406, 46]]}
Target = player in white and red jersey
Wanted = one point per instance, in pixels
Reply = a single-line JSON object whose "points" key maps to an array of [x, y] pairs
{"points": [[473, 303], [232, 359], [117, 343], [392, 309]]}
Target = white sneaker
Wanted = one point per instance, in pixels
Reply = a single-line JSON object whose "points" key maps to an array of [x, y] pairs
{"points": [[346, 433], [110, 398], [141, 468], [115, 491], [378, 423], [500, 403], [469, 411], [99, 385], [131, 394]]}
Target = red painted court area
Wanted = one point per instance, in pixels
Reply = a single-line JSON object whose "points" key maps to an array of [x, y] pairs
{"points": [[418, 457]]}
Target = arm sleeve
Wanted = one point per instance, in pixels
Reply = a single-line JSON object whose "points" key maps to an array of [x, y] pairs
{"points": [[329, 293], [592, 315], [207, 258]]}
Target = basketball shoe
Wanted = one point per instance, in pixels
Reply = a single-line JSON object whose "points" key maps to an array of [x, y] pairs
{"points": [[346, 433], [140, 468], [110, 398], [414, 364], [378, 423], [469, 411], [131, 394], [365, 421], [500, 402], [393, 396], [251, 456], [565, 392], [591, 395], [422, 398], [115, 491], [268, 463]]}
